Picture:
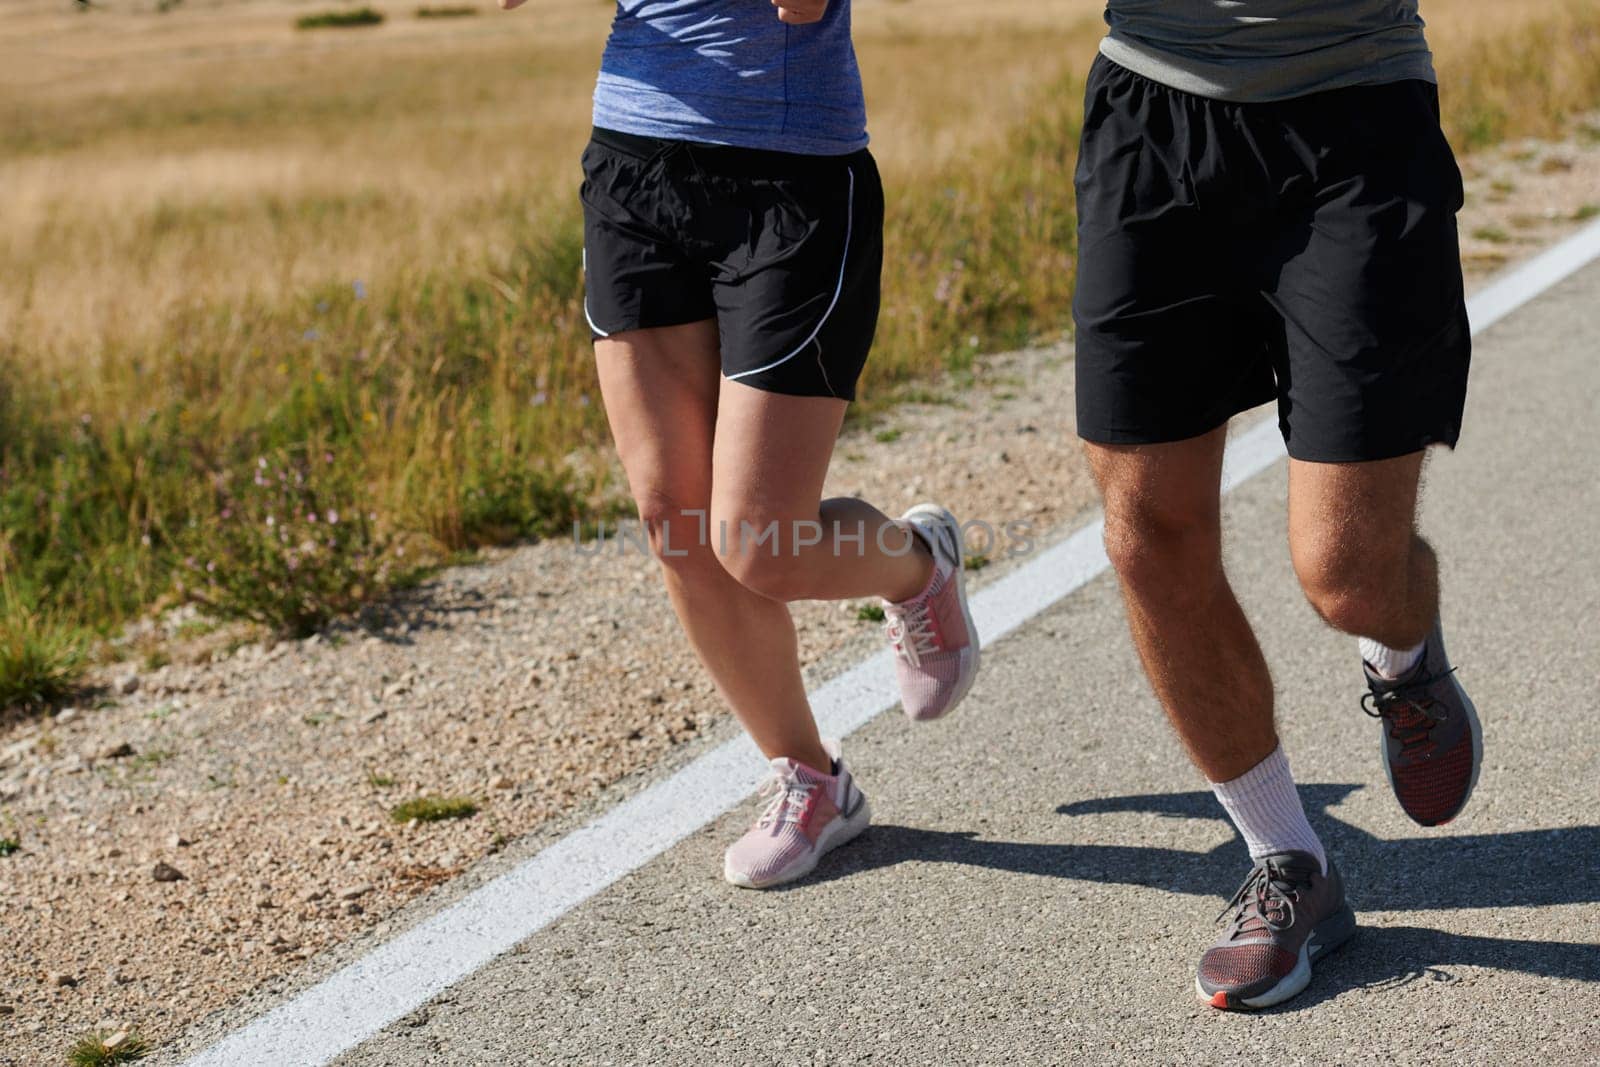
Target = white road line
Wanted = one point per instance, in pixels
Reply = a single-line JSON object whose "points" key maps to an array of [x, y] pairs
{"points": [[358, 1001]]}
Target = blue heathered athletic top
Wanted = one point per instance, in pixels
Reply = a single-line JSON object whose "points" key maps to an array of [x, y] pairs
{"points": [[728, 72]]}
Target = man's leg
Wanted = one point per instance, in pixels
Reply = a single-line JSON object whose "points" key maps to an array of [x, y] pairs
{"points": [[1163, 535], [1352, 535], [1353, 539], [1164, 538]]}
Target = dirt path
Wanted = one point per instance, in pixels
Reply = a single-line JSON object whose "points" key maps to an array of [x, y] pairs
{"points": [[262, 778]]}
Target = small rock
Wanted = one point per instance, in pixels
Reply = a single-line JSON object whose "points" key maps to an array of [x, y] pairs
{"points": [[14, 752], [115, 1041], [265, 902], [166, 872], [62, 981], [121, 750], [178, 841], [127, 685], [373, 716], [311, 896], [502, 782], [353, 908], [6, 1009], [354, 892], [66, 714]]}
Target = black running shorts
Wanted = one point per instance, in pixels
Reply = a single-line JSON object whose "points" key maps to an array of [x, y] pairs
{"points": [[783, 250], [1303, 251]]}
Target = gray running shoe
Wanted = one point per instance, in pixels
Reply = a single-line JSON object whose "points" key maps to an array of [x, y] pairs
{"points": [[1287, 914], [1432, 742]]}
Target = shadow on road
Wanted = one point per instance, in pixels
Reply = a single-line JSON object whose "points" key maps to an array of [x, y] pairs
{"points": [[1447, 872]]}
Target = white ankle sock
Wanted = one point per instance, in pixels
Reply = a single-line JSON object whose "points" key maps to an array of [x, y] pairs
{"points": [[1263, 804], [1392, 663]]}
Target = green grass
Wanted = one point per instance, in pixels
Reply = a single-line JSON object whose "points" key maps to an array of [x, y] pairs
{"points": [[435, 415], [193, 628], [436, 412], [870, 613], [8, 845], [40, 657], [887, 436], [445, 12], [379, 781], [1492, 234], [975, 561], [153, 758], [1586, 212], [361, 16], [91, 1050], [434, 809]]}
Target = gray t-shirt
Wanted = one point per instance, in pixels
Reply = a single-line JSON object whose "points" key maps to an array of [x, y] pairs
{"points": [[1259, 50]]}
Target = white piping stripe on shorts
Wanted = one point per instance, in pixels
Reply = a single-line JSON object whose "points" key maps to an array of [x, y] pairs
{"points": [[586, 316], [359, 1000], [849, 221]]}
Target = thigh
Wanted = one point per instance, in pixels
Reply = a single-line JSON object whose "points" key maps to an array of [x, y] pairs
{"points": [[1168, 487], [1369, 291], [771, 457], [660, 392], [1352, 514], [1170, 334], [797, 284]]}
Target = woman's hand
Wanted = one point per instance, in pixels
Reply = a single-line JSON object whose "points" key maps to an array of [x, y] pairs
{"points": [[794, 12]]}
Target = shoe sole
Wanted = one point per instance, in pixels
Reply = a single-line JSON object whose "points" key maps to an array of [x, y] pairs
{"points": [[839, 832], [1476, 729], [1329, 934], [944, 516]]}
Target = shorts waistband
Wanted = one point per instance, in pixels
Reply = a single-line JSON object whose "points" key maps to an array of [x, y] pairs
{"points": [[720, 159]]}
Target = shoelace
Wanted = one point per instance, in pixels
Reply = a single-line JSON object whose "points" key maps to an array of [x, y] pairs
{"points": [[1409, 711], [910, 630], [1271, 888], [789, 797]]}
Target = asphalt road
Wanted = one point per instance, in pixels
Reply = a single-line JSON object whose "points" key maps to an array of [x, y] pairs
{"points": [[1045, 867]]}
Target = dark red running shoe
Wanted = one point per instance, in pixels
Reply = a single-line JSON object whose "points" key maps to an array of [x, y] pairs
{"points": [[1432, 742], [1286, 915]]}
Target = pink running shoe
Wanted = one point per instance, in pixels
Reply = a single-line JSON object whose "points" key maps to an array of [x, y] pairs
{"points": [[935, 642], [810, 814]]}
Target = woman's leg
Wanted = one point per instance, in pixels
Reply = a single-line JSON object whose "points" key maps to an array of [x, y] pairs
{"points": [[660, 389], [771, 528]]}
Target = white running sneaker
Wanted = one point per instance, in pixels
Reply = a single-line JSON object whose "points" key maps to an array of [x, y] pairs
{"points": [[810, 814], [935, 643]]}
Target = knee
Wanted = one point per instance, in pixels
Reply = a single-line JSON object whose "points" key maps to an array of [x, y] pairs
{"points": [[1352, 587], [763, 553], [676, 529], [1163, 550]]}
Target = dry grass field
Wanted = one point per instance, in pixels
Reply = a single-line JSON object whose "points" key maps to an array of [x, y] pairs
{"points": [[352, 254]]}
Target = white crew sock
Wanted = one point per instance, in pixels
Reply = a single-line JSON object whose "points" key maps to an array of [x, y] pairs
{"points": [[1263, 804], [1391, 663]]}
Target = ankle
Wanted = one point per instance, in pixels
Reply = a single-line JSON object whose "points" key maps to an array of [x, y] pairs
{"points": [[919, 567], [1265, 806]]}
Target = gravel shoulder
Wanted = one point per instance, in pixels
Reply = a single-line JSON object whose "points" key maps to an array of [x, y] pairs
{"points": [[223, 820]]}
